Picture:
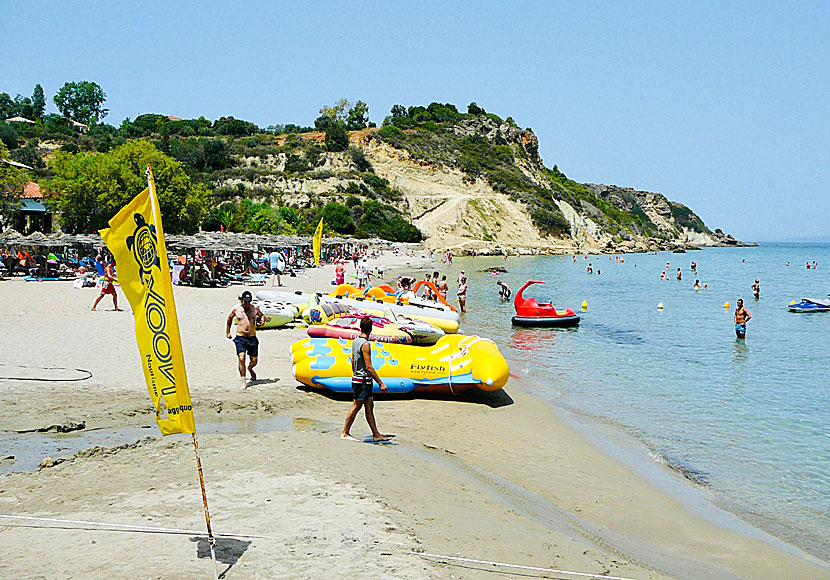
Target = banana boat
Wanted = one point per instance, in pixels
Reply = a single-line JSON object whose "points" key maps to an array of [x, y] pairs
{"points": [[456, 363]]}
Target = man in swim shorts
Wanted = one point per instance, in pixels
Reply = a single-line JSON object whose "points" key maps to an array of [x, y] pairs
{"points": [[108, 286], [363, 373], [246, 342], [742, 316]]}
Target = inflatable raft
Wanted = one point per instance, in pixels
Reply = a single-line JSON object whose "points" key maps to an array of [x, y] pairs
{"points": [[454, 364], [335, 320], [386, 293], [383, 330], [446, 320], [531, 313], [280, 313]]}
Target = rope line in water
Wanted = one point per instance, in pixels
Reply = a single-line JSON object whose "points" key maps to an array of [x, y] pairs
{"points": [[133, 528], [518, 566], [42, 379]]}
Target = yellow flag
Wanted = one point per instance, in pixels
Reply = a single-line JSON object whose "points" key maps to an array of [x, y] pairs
{"points": [[318, 239], [136, 239]]}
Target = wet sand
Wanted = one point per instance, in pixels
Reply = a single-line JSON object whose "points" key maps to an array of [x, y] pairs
{"points": [[493, 477]]}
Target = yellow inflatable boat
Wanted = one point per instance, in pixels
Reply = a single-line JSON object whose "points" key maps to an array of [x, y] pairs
{"points": [[455, 363]]}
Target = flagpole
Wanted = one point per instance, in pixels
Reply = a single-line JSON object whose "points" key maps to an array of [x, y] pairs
{"points": [[211, 540]]}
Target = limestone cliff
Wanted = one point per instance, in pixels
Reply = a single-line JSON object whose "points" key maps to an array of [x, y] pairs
{"points": [[476, 184]]}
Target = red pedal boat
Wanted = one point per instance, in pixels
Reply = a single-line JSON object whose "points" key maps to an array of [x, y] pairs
{"points": [[531, 313]]}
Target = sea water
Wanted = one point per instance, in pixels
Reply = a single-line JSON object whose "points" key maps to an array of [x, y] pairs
{"points": [[747, 419]]}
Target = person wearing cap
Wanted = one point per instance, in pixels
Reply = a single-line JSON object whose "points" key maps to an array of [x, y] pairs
{"points": [[246, 342]]}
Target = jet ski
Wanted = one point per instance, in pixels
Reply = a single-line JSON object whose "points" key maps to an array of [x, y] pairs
{"points": [[809, 305]]}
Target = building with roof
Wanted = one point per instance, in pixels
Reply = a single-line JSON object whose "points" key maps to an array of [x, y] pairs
{"points": [[32, 215], [20, 119]]}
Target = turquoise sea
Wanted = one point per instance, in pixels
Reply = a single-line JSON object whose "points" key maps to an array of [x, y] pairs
{"points": [[749, 421]]}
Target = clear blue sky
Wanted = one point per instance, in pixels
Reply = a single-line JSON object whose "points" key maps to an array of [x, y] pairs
{"points": [[722, 106]]}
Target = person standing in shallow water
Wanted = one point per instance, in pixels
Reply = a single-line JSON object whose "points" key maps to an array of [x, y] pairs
{"points": [[462, 294], [742, 316], [756, 289], [363, 373]]}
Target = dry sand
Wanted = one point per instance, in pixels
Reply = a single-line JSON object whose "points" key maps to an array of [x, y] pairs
{"points": [[495, 477]]}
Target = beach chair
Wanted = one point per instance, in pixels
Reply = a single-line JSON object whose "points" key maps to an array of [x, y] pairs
{"points": [[258, 279]]}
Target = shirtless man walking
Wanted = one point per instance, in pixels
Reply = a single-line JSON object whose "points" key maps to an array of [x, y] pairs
{"points": [[742, 316], [246, 342]]}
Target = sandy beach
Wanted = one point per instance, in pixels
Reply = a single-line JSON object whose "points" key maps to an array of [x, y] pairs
{"points": [[497, 477]]}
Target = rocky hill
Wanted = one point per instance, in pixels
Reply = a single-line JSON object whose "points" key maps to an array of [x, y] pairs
{"points": [[478, 185], [471, 182]]}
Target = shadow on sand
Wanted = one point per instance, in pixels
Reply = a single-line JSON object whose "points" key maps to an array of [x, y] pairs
{"points": [[493, 400], [228, 551]]}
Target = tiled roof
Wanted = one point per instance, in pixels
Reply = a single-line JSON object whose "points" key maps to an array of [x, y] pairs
{"points": [[32, 191]]}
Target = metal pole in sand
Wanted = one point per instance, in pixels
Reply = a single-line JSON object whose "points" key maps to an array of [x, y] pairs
{"points": [[211, 539]]}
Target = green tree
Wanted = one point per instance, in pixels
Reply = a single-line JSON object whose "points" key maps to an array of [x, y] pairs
{"points": [[398, 111], [12, 181], [82, 101], [38, 102], [358, 116], [332, 115], [88, 189], [337, 139], [235, 127], [23, 107], [338, 218], [474, 109], [6, 106], [9, 135]]}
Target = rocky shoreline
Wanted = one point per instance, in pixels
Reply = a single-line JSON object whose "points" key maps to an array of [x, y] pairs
{"points": [[481, 248]]}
